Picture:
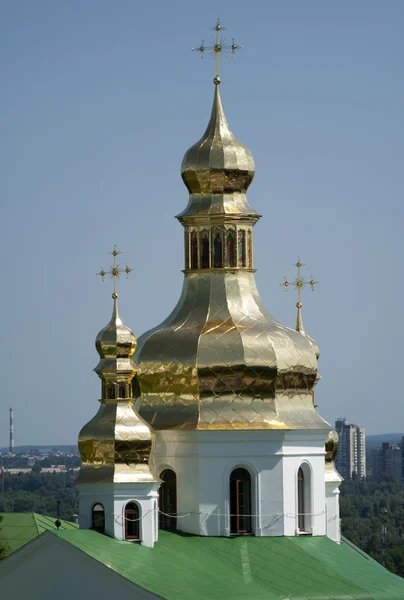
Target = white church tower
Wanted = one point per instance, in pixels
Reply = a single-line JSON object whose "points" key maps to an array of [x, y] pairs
{"points": [[118, 491]]}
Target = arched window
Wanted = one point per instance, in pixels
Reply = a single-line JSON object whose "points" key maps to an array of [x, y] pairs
{"points": [[122, 390], [205, 250], [241, 248], [194, 250], [230, 249], [300, 501], [218, 251], [111, 391], [240, 501], [98, 518], [131, 521], [168, 500]]}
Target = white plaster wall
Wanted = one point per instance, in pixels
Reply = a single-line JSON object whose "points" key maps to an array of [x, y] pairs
{"points": [[114, 497], [203, 461]]}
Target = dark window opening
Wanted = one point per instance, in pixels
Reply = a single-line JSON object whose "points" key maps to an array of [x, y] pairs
{"points": [[218, 251], [250, 260], [131, 521], [240, 501], [111, 391], [135, 388], [168, 500], [205, 250], [241, 249], [122, 390], [230, 250], [194, 250], [98, 518], [300, 500]]}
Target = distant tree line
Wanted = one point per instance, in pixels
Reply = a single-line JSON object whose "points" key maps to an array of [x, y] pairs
{"points": [[39, 492]]}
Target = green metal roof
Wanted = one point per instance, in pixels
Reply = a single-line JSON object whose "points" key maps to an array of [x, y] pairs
{"points": [[184, 566], [20, 528]]}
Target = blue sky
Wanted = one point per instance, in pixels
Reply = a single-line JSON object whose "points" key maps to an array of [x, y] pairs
{"points": [[99, 102]]}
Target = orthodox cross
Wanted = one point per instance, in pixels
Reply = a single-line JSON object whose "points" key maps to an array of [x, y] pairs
{"points": [[115, 270], [299, 283], [217, 48]]}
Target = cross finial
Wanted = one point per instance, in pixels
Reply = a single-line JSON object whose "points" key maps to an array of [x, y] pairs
{"points": [[217, 47], [299, 283], [115, 271]]}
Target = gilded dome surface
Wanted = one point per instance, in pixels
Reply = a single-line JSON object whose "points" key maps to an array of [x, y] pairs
{"points": [[217, 170], [217, 163], [221, 361], [115, 341]]}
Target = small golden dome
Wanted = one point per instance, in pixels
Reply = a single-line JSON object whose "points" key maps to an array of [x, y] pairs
{"points": [[217, 163], [116, 345], [115, 340], [331, 446]]}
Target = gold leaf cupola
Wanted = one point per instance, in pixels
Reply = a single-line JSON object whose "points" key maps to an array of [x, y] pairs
{"points": [[116, 445], [218, 163], [220, 361]]}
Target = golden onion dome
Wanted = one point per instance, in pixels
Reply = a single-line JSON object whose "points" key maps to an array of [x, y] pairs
{"points": [[115, 344], [331, 446], [217, 163], [331, 449], [220, 361]]}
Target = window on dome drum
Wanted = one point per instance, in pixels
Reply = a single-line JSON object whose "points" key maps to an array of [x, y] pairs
{"points": [[218, 251], [111, 391], [240, 501], [241, 248], [122, 391], [98, 518], [205, 250], [250, 260], [300, 500], [135, 388], [194, 250], [168, 500], [132, 521], [230, 249]]}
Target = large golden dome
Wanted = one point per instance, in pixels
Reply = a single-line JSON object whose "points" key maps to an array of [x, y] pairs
{"points": [[220, 360]]}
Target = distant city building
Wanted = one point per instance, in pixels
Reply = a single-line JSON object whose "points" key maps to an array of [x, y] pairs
{"points": [[351, 457], [386, 461]]}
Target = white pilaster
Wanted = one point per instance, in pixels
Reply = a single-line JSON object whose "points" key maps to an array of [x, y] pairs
{"points": [[332, 508]]}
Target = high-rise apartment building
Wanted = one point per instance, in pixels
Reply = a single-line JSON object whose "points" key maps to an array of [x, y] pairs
{"points": [[351, 456], [386, 461]]}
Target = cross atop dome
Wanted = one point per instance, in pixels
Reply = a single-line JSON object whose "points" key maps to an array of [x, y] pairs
{"points": [[115, 271], [299, 283], [217, 48]]}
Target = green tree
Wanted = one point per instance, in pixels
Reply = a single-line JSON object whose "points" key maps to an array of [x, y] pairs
{"points": [[372, 515], [4, 548]]}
